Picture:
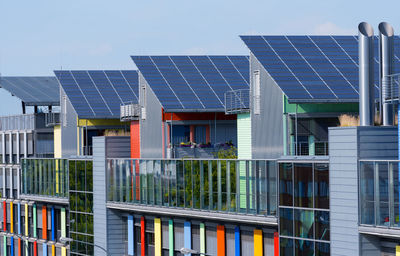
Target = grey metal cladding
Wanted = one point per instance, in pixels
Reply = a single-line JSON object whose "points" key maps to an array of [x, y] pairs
{"points": [[151, 126], [69, 133], [115, 239], [266, 128], [99, 194], [34, 91], [344, 230], [118, 147], [348, 145]]}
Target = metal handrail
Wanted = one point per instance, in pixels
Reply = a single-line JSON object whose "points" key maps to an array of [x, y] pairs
{"points": [[237, 101]]}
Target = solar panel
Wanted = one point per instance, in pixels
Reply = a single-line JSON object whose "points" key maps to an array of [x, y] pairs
{"points": [[99, 94], [194, 82], [33, 91], [313, 68]]}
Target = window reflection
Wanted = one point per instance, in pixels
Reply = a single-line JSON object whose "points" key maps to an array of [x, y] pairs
{"points": [[303, 185]]}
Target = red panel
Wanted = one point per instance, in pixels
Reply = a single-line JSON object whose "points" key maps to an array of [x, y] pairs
{"points": [[197, 116], [163, 139], [4, 216], [142, 236], [35, 248], [221, 240], [135, 139], [276, 244], [19, 247], [44, 222], [208, 134]]}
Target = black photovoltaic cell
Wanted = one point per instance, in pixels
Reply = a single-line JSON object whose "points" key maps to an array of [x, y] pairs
{"points": [[314, 67], [194, 82], [99, 94], [34, 91]]}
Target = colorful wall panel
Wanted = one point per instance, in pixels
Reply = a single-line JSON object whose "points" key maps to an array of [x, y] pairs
{"points": [[143, 236], [34, 221], [202, 238], [44, 222], [221, 250], [258, 242], [187, 234], [53, 225], [171, 237], [11, 217], [237, 242], [157, 237], [19, 218], [131, 238], [26, 220]]}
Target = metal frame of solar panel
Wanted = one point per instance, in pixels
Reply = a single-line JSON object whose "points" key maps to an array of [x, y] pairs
{"points": [[194, 83], [314, 68], [98, 94], [33, 91]]}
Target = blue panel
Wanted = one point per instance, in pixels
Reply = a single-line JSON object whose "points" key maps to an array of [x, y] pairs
{"points": [[197, 82], [230, 73], [131, 238], [237, 241], [53, 225], [187, 236], [12, 245], [132, 77], [19, 218], [242, 64], [44, 250]]}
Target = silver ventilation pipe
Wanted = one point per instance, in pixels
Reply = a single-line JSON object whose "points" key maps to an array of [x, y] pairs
{"points": [[386, 57], [366, 73]]}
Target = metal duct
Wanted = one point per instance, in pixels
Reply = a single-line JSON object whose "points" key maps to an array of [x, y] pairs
{"points": [[366, 73], [386, 57]]}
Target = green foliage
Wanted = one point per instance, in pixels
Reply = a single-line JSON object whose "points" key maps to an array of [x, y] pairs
{"points": [[228, 153]]}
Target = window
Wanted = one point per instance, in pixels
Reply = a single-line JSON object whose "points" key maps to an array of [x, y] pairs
{"points": [[143, 100], [256, 92], [64, 111]]}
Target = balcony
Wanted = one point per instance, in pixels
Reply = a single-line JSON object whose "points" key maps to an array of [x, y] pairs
{"points": [[223, 186], [52, 119], [17, 122], [41, 177], [129, 111], [237, 101], [379, 193]]}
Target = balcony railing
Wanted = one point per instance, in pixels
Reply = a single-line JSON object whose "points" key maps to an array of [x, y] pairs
{"points": [[379, 193], [231, 186], [129, 111], [17, 122], [44, 177], [52, 119], [237, 101]]}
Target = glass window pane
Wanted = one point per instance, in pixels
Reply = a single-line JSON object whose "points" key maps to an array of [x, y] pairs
{"points": [[321, 190], [304, 223], [322, 249], [394, 167], [272, 187], [286, 222], [303, 188], [383, 194], [322, 231], [367, 212], [196, 184], [285, 184], [304, 248], [286, 247]]}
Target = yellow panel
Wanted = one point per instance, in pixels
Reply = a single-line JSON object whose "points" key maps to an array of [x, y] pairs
{"points": [[397, 250], [99, 122], [63, 251], [157, 236], [258, 242], [53, 250], [12, 216], [26, 220], [57, 141], [57, 176]]}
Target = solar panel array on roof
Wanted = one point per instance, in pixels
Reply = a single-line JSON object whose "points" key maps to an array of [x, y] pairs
{"points": [[33, 91], [99, 94], [313, 68], [194, 82]]}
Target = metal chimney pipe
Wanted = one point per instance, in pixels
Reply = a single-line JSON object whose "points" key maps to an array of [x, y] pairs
{"points": [[366, 73], [386, 57]]}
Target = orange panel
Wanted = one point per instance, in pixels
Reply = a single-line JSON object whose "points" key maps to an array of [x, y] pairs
{"points": [[221, 240], [192, 133], [135, 139], [44, 222]]}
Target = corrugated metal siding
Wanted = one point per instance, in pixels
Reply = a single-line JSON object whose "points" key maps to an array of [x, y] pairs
{"points": [[267, 128], [69, 130], [118, 147], [116, 228], [244, 136], [151, 127], [99, 194], [343, 191], [378, 142]]}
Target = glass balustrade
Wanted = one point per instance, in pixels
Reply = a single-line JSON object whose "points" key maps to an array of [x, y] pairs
{"points": [[236, 186]]}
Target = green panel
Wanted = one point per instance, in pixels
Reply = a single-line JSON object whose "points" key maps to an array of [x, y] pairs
{"points": [[202, 238], [319, 107], [34, 221], [63, 223], [244, 136], [171, 238], [311, 147], [4, 245]]}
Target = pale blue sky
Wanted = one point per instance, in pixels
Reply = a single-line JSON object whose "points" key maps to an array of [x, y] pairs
{"points": [[39, 36]]}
